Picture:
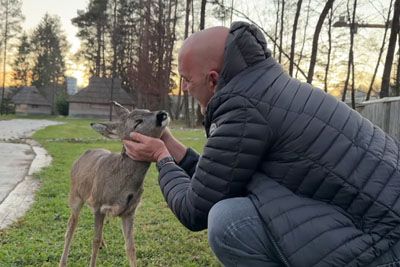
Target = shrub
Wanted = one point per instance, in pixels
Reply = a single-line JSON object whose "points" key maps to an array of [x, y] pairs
{"points": [[62, 105]]}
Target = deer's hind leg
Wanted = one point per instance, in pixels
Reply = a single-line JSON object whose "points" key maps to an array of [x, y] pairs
{"points": [[76, 205], [98, 235], [127, 227]]}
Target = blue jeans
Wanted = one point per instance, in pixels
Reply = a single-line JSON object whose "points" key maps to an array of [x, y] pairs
{"points": [[237, 237]]}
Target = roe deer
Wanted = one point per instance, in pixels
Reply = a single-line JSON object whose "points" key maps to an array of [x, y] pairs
{"points": [[111, 183]]}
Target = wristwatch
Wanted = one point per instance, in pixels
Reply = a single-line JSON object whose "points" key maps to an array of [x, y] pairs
{"points": [[164, 161]]}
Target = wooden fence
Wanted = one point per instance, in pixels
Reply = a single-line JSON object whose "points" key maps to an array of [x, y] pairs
{"points": [[383, 112]]}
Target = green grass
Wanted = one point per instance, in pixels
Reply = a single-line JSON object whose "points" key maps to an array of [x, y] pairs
{"points": [[38, 238]]}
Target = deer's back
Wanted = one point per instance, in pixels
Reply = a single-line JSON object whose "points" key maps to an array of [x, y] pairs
{"points": [[108, 181]]}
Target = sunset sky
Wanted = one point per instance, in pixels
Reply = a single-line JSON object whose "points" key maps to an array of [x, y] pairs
{"points": [[34, 10], [368, 12]]}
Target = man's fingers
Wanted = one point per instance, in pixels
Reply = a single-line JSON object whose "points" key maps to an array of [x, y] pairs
{"points": [[130, 146], [139, 137]]}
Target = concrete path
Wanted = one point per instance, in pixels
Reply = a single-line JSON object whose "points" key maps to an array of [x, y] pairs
{"points": [[19, 159]]}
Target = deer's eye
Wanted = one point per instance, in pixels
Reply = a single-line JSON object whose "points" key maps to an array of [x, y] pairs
{"points": [[137, 122]]}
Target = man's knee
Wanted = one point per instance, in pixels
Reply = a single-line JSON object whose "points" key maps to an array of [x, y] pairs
{"points": [[236, 234], [217, 225], [233, 225]]}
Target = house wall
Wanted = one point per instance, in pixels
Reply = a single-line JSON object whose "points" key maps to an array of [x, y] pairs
{"points": [[32, 109], [87, 110]]}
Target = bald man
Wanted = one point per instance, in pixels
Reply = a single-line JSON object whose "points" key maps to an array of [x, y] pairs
{"points": [[289, 176]]}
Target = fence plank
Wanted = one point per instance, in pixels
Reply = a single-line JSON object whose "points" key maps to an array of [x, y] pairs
{"points": [[384, 113]]}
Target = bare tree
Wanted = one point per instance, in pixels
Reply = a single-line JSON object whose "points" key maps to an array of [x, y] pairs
{"points": [[350, 65], [314, 52], [185, 93], [390, 53], [281, 31], [398, 70], [380, 52], [293, 45], [11, 17], [278, 7], [330, 17], [240, 13], [304, 37]]}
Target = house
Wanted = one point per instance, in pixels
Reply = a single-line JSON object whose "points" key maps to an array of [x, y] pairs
{"points": [[28, 100], [94, 100]]}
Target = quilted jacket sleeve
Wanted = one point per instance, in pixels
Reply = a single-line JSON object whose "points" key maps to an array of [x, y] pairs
{"points": [[189, 161], [232, 153]]}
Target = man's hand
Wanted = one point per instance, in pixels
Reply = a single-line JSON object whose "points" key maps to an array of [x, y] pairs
{"points": [[145, 148]]}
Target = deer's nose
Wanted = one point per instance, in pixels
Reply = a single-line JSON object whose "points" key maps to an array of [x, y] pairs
{"points": [[161, 116]]}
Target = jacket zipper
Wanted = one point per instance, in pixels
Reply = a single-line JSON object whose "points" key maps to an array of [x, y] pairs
{"points": [[278, 252]]}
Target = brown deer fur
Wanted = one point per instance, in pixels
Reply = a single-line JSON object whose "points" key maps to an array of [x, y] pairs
{"points": [[110, 183]]}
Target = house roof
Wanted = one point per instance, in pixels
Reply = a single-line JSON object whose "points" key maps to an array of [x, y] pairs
{"points": [[9, 92], [30, 95], [98, 92]]}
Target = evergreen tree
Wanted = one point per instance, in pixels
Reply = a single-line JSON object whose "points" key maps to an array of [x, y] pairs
{"points": [[22, 63], [92, 24], [50, 46]]}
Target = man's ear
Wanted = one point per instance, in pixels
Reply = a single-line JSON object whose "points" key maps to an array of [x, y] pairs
{"points": [[107, 129], [213, 79], [120, 110]]}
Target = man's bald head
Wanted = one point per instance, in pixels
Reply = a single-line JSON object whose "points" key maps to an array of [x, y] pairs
{"points": [[204, 50], [200, 62]]}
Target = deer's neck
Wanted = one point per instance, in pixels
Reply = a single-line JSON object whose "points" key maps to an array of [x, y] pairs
{"points": [[134, 168]]}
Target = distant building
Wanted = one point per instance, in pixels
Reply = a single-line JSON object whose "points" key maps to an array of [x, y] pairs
{"points": [[72, 85], [28, 100], [94, 100]]}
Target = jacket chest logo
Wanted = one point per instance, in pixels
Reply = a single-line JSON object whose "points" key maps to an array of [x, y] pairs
{"points": [[213, 127]]}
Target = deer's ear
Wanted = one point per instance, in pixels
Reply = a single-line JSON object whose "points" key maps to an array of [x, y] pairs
{"points": [[108, 129], [120, 110]]}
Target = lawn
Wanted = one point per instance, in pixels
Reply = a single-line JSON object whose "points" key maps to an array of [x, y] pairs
{"points": [[38, 238]]}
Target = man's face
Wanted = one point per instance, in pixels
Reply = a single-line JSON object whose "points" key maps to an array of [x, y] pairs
{"points": [[195, 82]]}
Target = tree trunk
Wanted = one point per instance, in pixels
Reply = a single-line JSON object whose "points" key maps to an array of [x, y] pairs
{"points": [[4, 59], [203, 14], [281, 31], [329, 50], [350, 65], [380, 53], [353, 101], [278, 6], [200, 117], [294, 31], [398, 70], [304, 39], [390, 53], [314, 52], [186, 107]]}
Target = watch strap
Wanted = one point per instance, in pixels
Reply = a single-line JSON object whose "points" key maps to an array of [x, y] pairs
{"points": [[164, 161]]}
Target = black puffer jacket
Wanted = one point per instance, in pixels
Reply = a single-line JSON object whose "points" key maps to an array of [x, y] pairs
{"points": [[325, 180]]}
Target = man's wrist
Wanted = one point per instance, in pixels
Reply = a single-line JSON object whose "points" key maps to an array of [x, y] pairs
{"points": [[164, 161], [164, 154]]}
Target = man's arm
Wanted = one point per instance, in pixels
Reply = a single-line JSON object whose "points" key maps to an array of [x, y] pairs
{"points": [[230, 158], [175, 148]]}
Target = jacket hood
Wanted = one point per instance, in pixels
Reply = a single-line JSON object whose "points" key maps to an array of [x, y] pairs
{"points": [[245, 46]]}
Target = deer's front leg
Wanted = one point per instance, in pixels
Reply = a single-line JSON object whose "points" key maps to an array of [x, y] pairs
{"points": [[127, 227], [98, 235]]}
